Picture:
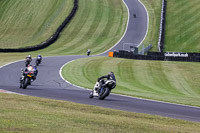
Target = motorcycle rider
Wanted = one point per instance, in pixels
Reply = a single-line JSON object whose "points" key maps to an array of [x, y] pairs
{"points": [[28, 68], [110, 76], [39, 58], [88, 52], [28, 59], [101, 84], [32, 68]]}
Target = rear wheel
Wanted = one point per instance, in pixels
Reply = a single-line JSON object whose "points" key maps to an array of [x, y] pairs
{"points": [[37, 62], [104, 93]]}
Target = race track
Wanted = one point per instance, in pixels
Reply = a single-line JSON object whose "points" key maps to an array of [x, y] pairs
{"points": [[49, 84]]}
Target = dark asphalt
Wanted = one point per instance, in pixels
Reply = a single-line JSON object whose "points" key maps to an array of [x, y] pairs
{"points": [[137, 26], [49, 84]]}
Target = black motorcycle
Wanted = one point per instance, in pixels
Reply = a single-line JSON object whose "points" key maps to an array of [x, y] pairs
{"points": [[26, 77], [38, 60], [102, 90]]}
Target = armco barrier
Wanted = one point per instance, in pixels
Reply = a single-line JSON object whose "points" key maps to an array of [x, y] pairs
{"points": [[162, 27], [156, 56], [51, 39]]}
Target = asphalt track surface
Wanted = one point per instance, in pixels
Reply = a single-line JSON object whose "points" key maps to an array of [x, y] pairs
{"points": [[49, 83]]}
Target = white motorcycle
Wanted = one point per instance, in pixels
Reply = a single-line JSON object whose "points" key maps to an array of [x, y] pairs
{"points": [[102, 89]]}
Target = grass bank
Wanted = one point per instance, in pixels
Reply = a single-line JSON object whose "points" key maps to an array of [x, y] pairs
{"points": [[30, 22], [182, 26], [176, 82], [31, 114], [154, 10], [97, 25]]}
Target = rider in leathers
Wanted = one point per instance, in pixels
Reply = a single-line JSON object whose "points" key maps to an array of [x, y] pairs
{"points": [[110, 76], [39, 58], [28, 58], [34, 69]]}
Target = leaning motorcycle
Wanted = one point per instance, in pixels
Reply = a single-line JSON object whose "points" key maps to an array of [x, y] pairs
{"points": [[102, 91], [26, 78], [38, 60]]}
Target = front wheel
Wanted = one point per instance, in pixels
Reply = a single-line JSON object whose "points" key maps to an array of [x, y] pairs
{"points": [[20, 85], [104, 93], [26, 82]]}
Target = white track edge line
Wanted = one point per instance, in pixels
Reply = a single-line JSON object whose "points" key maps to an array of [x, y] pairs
{"points": [[60, 73]]}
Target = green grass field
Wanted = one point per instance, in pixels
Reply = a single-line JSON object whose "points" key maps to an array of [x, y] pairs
{"points": [[182, 26], [98, 25], [176, 82], [30, 22], [31, 114]]}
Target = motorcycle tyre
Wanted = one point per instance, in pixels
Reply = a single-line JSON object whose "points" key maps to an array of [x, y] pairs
{"points": [[20, 85], [37, 63], [105, 94], [25, 84]]}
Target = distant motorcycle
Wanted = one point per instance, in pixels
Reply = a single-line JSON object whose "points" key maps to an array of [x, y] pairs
{"points": [[27, 76], [27, 61], [102, 90], [38, 60]]}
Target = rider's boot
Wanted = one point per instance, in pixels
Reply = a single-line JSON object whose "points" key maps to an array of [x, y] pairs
{"points": [[91, 94]]}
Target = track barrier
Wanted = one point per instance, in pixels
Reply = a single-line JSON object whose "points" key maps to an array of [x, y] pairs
{"points": [[110, 54], [162, 27], [167, 56]]}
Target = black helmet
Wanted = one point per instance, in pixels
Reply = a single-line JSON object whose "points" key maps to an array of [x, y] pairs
{"points": [[110, 73]]}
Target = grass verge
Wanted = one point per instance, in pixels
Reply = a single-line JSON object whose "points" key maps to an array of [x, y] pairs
{"points": [[182, 26], [29, 22], [176, 82], [31, 114], [154, 10]]}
